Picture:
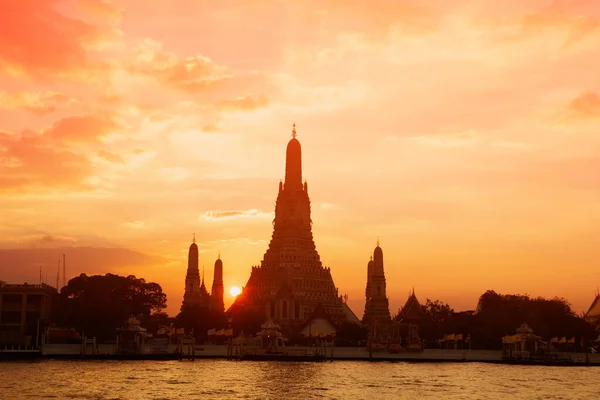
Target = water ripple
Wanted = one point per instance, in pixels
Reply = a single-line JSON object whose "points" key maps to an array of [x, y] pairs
{"points": [[219, 379]]}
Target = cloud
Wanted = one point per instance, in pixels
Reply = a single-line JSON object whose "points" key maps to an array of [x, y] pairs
{"points": [[36, 40], [189, 85], [568, 22], [46, 159], [577, 18], [221, 215], [135, 224], [103, 9], [239, 240], [37, 103], [260, 242], [511, 145], [190, 73], [54, 240], [460, 139], [25, 161], [244, 103], [111, 157], [175, 174], [376, 17], [584, 106], [87, 128], [90, 260]]}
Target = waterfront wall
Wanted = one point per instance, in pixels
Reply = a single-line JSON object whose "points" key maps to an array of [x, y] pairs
{"points": [[75, 349], [339, 353], [427, 354]]}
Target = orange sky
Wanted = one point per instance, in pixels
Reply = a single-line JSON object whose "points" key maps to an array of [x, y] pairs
{"points": [[465, 134]]}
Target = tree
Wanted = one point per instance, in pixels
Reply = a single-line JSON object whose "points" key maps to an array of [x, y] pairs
{"points": [[351, 334], [195, 317], [97, 305], [499, 315], [157, 320], [438, 312], [437, 321]]}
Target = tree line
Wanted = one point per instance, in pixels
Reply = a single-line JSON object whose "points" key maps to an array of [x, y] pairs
{"points": [[100, 304], [498, 315]]}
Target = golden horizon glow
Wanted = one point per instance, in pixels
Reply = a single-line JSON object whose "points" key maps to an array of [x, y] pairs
{"points": [[463, 134]]}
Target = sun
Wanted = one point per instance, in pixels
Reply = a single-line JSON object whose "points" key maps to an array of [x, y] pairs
{"points": [[235, 291]]}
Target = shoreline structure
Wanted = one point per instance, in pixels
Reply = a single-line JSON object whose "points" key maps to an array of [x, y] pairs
{"points": [[298, 353]]}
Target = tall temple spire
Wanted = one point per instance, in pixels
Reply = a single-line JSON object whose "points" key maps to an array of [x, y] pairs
{"points": [[192, 278], [293, 164], [195, 293], [216, 294], [376, 302], [378, 258], [192, 269], [278, 288]]}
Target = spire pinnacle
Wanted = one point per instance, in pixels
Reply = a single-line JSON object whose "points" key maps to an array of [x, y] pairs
{"points": [[371, 257], [219, 255], [293, 164], [194, 239], [377, 241]]}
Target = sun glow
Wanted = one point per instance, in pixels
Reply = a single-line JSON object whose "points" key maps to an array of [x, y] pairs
{"points": [[235, 291]]}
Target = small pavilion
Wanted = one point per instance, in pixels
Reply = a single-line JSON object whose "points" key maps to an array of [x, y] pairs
{"points": [[523, 345], [271, 337]]}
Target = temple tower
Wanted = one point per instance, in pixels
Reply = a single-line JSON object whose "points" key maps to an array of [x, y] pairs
{"points": [[216, 297], [195, 292], [376, 301], [291, 281]]}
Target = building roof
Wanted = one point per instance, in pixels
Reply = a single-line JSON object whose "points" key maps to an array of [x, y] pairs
{"points": [[593, 312], [350, 316], [318, 313], [412, 309], [25, 287]]}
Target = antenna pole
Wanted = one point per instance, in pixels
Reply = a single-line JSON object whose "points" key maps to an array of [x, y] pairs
{"points": [[64, 272], [58, 275], [41, 275]]}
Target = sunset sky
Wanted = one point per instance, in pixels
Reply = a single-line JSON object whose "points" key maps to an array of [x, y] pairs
{"points": [[465, 134]]}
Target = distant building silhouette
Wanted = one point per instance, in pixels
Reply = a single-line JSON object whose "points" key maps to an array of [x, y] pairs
{"points": [[376, 302], [593, 313], [216, 297], [291, 281], [24, 312], [195, 292], [412, 312]]}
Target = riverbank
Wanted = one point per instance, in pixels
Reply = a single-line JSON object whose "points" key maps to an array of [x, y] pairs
{"points": [[108, 352]]}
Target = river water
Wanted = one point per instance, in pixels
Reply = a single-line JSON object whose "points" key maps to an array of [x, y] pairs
{"points": [[216, 379]]}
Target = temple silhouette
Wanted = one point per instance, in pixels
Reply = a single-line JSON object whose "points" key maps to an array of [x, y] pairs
{"points": [[377, 308], [195, 294], [291, 285]]}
